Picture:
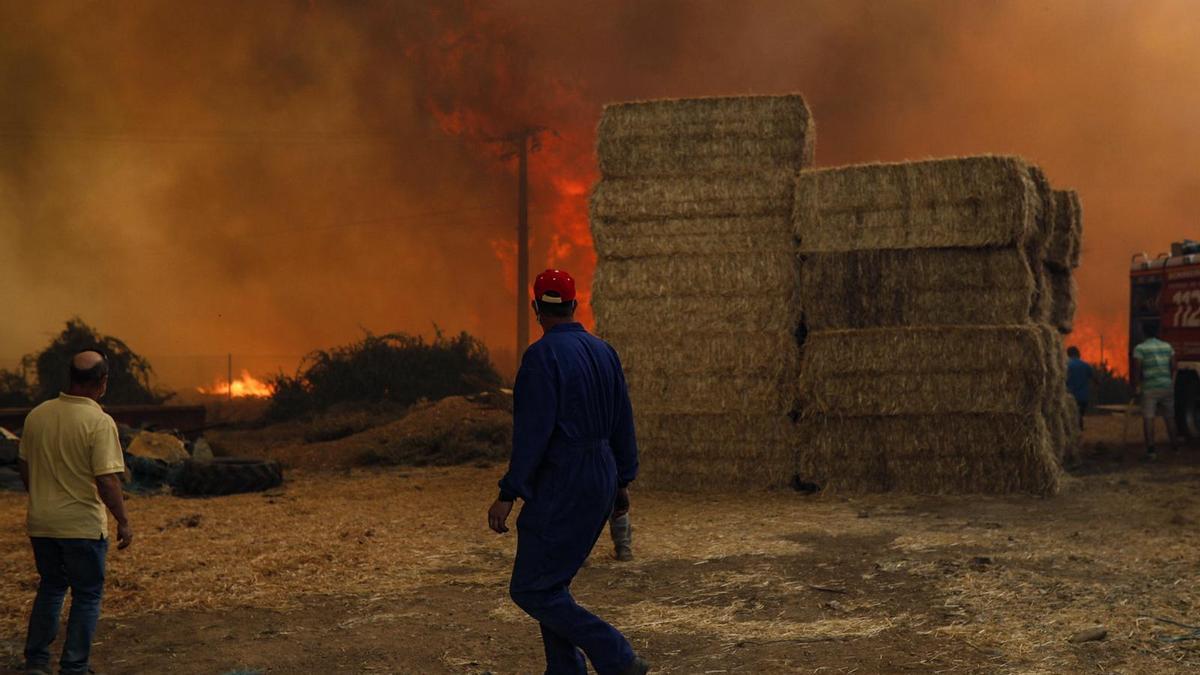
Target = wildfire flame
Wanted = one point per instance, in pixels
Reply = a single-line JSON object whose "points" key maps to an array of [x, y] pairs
{"points": [[245, 386], [1102, 338]]}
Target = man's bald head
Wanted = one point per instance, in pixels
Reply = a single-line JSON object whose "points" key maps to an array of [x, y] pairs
{"points": [[89, 368]]}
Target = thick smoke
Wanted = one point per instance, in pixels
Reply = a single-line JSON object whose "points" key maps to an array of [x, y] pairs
{"points": [[270, 177]]}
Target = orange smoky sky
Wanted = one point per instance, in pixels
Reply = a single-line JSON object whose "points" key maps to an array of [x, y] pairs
{"points": [[271, 177]]}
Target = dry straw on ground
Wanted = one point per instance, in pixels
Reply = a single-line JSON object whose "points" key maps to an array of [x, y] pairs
{"points": [[914, 287], [930, 454], [967, 202], [925, 370], [705, 136]]}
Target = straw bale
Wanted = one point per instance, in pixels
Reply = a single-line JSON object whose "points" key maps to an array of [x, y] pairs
{"points": [[1076, 209], [763, 277], [705, 136], [1063, 246], [949, 203], [750, 194], [641, 239], [924, 370], [666, 393], [678, 313], [1062, 294], [768, 467], [865, 289], [683, 353], [724, 429], [1035, 246], [940, 454]]}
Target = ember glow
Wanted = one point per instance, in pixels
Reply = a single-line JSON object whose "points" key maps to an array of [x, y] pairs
{"points": [[246, 386]]}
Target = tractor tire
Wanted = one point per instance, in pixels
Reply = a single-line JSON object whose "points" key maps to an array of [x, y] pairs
{"points": [[228, 476]]}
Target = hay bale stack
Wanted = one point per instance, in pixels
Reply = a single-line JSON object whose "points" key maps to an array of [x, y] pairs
{"points": [[927, 367], [716, 136], [1062, 257], [696, 282]]}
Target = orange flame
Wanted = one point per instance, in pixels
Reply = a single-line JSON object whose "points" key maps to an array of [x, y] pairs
{"points": [[245, 386], [1102, 339]]}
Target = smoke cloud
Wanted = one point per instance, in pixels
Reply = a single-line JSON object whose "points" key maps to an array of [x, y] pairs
{"points": [[271, 177]]}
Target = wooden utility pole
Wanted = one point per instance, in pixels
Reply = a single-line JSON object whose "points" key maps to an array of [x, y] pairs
{"points": [[522, 246], [520, 144]]}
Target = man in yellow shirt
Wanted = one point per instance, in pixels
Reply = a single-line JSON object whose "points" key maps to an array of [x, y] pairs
{"points": [[71, 464]]}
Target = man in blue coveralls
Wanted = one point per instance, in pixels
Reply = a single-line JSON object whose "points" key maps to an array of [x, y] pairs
{"points": [[573, 457], [1079, 376]]}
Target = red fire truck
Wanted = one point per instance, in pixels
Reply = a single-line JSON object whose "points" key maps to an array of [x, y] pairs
{"points": [[1166, 291]]}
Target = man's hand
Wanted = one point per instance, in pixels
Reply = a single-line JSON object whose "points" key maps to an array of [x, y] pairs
{"points": [[498, 516], [124, 535], [621, 507]]}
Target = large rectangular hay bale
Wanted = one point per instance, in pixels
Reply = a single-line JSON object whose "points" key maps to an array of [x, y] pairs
{"points": [[641, 239], [930, 454], [924, 370], [624, 315], [760, 193], [744, 352], [968, 202], [769, 276], [913, 287], [705, 136], [1063, 249], [724, 469], [1062, 296], [661, 393]]}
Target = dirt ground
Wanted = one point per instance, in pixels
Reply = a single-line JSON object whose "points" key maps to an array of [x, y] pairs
{"points": [[393, 570]]}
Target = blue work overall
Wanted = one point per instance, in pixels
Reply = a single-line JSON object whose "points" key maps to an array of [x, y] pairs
{"points": [[573, 448]]}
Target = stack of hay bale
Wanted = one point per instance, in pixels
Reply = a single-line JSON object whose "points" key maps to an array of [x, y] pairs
{"points": [[926, 366], [1061, 257], [696, 281]]}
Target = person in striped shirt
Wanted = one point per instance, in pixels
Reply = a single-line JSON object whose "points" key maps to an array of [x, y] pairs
{"points": [[1154, 375]]}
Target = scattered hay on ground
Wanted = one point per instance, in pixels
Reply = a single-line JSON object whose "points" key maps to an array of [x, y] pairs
{"points": [[705, 136]]}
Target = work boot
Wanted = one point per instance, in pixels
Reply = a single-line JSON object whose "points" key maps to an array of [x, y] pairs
{"points": [[637, 667], [623, 553]]}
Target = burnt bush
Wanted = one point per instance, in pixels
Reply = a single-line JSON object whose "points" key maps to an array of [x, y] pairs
{"points": [[394, 367]]}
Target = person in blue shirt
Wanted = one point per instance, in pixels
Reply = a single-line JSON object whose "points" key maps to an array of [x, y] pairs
{"points": [[1079, 379], [573, 457]]}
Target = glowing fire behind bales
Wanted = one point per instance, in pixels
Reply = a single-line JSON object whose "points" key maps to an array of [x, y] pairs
{"points": [[246, 386], [1102, 339]]}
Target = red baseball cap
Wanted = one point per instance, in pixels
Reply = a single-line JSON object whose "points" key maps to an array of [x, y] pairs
{"points": [[554, 286]]}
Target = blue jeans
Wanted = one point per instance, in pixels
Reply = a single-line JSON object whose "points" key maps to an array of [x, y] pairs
{"points": [[77, 564]]}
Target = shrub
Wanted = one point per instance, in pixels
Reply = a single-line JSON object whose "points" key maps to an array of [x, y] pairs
{"points": [[395, 367], [128, 373]]}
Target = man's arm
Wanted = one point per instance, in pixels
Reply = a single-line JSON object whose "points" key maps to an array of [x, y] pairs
{"points": [[535, 410], [109, 487], [23, 469]]}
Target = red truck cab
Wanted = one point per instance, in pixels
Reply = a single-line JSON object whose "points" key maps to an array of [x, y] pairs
{"points": [[1166, 291]]}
